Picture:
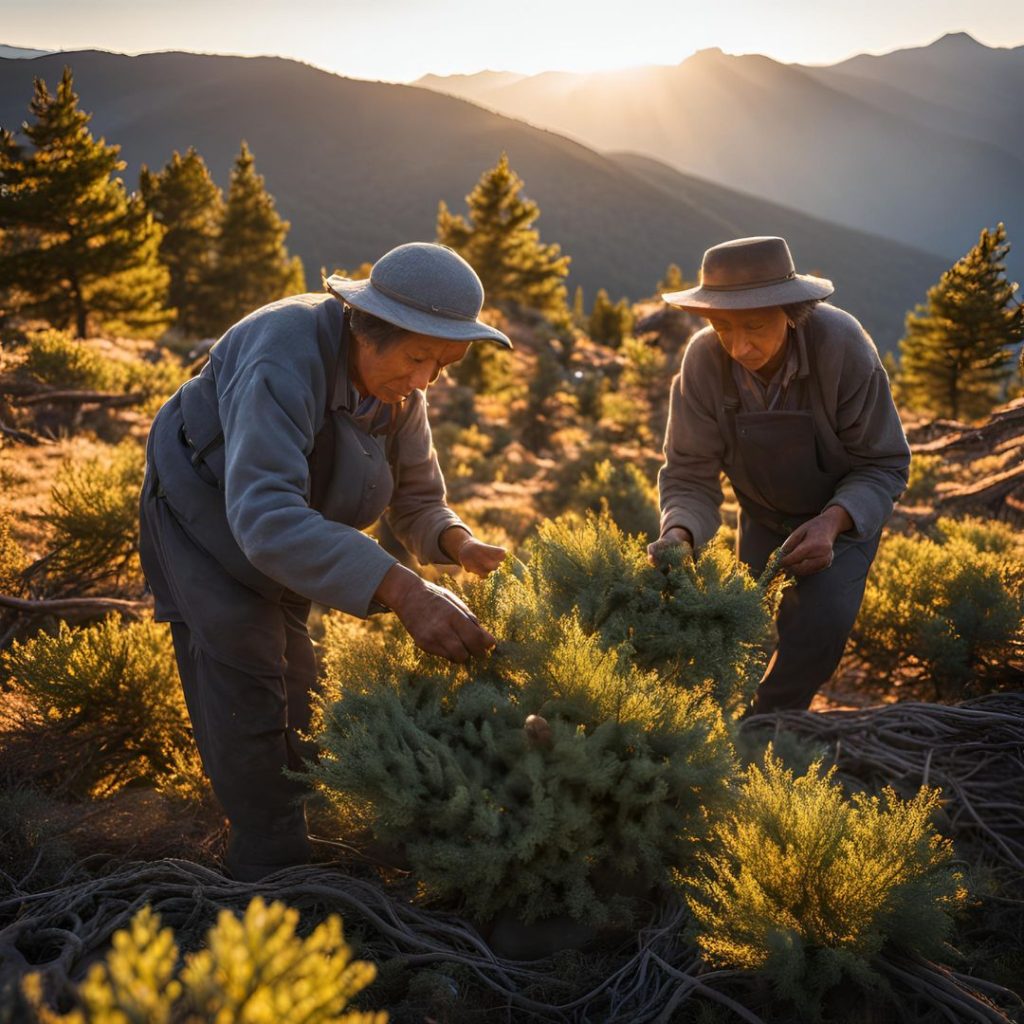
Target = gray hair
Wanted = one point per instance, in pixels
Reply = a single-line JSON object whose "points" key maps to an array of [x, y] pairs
{"points": [[798, 313], [381, 334]]}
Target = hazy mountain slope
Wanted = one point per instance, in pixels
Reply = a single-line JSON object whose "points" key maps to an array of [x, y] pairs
{"points": [[956, 85], [358, 167], [864, 152]]}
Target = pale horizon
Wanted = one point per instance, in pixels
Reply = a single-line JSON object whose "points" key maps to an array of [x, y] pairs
{"points": [[402, 40]]}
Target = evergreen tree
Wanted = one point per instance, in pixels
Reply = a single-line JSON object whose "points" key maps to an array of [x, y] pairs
{"points": [[609, 323], [253, 265], [504, 247], [184, 199], [579, 311], [76, 248], [957, 356], [672, 281]]}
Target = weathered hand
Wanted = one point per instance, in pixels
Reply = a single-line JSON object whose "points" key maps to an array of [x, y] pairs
{"points": [[477, 557], [437, 620], [673, 537], [810, 547]]}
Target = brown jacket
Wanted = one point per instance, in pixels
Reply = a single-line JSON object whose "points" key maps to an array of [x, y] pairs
{"points": [[847, 391]]}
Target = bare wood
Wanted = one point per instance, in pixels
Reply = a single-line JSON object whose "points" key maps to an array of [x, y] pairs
{"points": [[76, 397], [73, 605], [992, 489]]}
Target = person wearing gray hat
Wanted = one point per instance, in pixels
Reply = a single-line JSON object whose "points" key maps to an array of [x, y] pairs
{"points": [[306, 425], [786, 395]]}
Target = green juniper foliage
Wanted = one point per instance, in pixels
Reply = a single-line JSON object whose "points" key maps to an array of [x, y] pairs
{"points": [[253, 264], [184, 199], [697, 623], [93, 521], [625, 492], [76, 248], [957, 356], [501, 243], [617, 773], [805, 886], [56, 359], [102, 704], [951, 604], [251, 971]]}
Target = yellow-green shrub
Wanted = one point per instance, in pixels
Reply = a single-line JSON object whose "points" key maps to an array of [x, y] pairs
{"points": [[951, 603], [806, 885], [103, 703], [925, 473], [58, 360], [93, 519], [253, 971], [625, 492]]}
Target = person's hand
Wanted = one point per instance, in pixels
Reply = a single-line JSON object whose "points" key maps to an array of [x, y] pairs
{"points": [[438, 620], [473, 555], [673, 537], [480, 558], [810, 548]]}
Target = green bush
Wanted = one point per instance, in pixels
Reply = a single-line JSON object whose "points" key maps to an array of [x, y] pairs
{"points": [[625, 492], [252, 971], [58, 360], [589, 747], [697, 623], [93, 520], [11, 557], [951, 604], [102, 703], [925, 473], [806, 886]]}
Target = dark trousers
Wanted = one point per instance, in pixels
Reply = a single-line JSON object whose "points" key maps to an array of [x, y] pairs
{"points": [[815, 618], [247, 667]]}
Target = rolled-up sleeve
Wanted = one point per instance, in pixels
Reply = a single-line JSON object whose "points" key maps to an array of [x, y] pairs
{"points": [[268, 417], [689, 481], [419, 512], [870, 430]]}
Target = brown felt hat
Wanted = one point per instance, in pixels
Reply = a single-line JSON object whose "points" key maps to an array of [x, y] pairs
{"points": [[749, 273]]}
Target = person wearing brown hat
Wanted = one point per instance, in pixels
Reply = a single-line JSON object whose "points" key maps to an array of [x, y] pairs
{"points": [[786, 395], [306, 425]]}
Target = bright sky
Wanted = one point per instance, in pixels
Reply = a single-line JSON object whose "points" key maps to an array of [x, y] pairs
{"points": [[399, 40]]}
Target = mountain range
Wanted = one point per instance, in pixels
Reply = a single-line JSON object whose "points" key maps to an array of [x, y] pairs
{"points": [[358, 167], [921, 145]]}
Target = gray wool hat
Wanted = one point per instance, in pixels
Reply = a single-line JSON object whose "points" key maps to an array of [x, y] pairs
{"points": [[749, 273], [425, 288]]}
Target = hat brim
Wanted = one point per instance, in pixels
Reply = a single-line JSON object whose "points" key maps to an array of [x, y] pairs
{"points": [[801, 288], [364, 296]]}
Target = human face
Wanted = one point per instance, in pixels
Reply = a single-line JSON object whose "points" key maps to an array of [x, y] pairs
{"points": [[753, 337], [393, 373]]}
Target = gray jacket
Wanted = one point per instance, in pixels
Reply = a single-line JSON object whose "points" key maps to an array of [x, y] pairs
{"points": [[271, 396], [845, 387]]}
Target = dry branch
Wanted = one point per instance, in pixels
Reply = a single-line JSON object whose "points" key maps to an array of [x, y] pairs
{"points": [[74, 605], [107, 399]]}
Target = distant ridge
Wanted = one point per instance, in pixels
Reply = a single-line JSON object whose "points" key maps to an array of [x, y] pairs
{"points": [[20, 52], [358, 167], [921, 145]]}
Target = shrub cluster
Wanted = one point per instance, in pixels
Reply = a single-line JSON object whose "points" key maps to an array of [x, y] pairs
{"points": [[99, 706], [252, 970], [951, 603], [806, 886]]}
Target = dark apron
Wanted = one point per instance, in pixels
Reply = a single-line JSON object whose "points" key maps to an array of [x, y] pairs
{"points": [[783, 465]]}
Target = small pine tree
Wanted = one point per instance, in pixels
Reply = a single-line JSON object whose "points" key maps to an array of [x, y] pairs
{"points": [[75, 248], [499, 240], [957, 355], [673, 280], [253, 265], [579, 311], [186, 202], [609, 323]]}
